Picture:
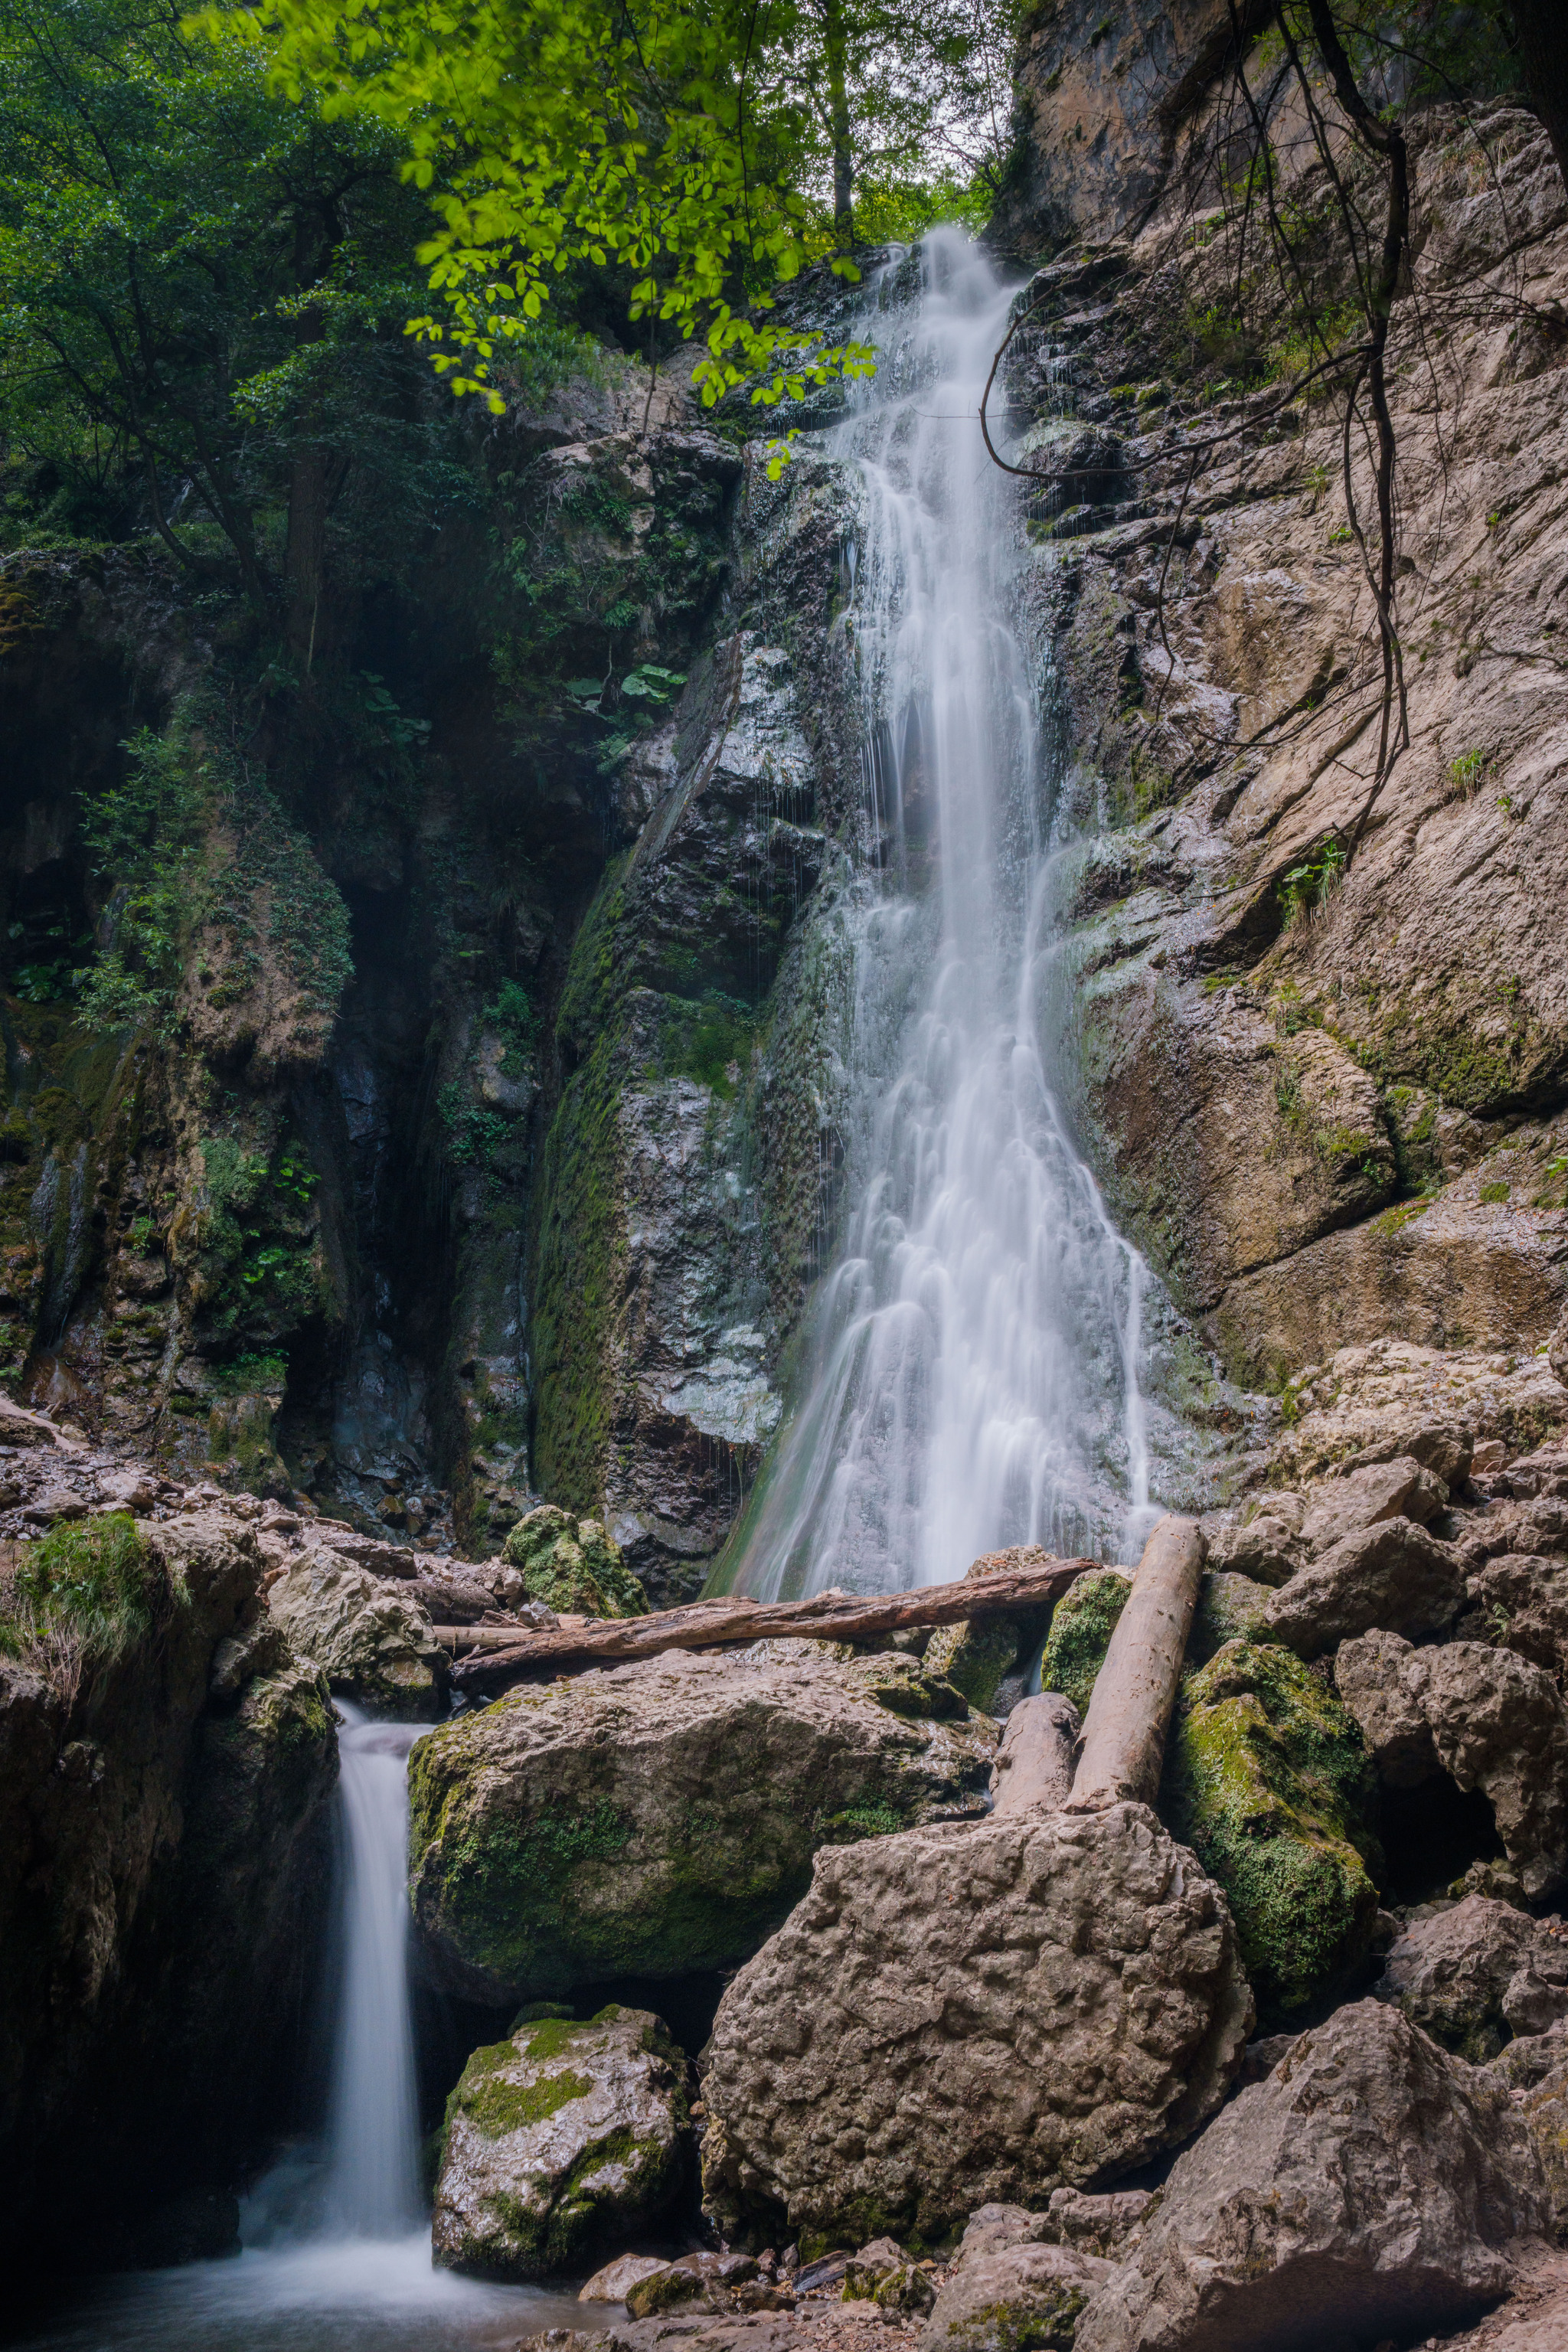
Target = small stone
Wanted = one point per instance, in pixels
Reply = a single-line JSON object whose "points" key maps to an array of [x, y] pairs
{"points": [[1026, 2296], [615, 2281]]}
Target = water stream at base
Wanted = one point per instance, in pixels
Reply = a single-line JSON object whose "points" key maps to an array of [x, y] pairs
{"points": [[974, 1368], [336, 2249]]}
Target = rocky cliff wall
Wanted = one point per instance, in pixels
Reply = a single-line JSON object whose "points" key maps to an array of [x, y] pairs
{"points": [[166, 1850], [1327, 1109]]}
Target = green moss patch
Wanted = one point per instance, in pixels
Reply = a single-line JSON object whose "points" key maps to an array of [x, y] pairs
{"points": [[1081, 1625], [1267, 1781], [496, 2103]]}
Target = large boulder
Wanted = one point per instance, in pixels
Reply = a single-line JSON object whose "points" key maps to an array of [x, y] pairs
{"points": [[1393, 1574], [1267, 1781], [1491, 1719], [1266, 1547], [1403, 1489], [1520, 1600], [662, 1817], [1474, 1974], [372, 1640], [559, 2141], [1369, 2188], [965, 2014], [573, 1566]]}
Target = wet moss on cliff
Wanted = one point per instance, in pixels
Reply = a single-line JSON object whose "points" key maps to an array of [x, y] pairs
{"points": [[582, 1258]]}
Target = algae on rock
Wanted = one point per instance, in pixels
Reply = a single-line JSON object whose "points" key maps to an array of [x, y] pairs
{"points": [[1267, 1781], [1081, 1625]]}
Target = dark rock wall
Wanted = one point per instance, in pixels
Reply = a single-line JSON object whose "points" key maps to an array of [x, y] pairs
{"points": [[164, 1874]]}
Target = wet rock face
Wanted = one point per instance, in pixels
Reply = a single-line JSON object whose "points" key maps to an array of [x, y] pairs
{"points": [[958, 2014], [559, 2141], [660, 1818], [1488, 1717], [1266, 1780], [371, 1638], [1369, 2186]]}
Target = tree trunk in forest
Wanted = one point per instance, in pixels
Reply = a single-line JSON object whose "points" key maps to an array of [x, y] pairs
{"points": [[838, 113], [305, 553], [1130, 1712], [1540, 29], [719, 1625], [1034, 1763]]}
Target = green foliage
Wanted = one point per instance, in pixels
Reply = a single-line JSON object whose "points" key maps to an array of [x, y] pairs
{"points": [[683, 152], [1308, 888], [80, 1597], [710, 1040], [1467, 773], [201, 293], [145, 836], [513, 1017]]}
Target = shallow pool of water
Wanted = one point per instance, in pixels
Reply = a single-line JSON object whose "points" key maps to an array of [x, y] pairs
{"points": [[353, 2296]]}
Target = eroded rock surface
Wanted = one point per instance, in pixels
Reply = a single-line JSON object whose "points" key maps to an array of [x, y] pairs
{"points": [[370, 1638], [560, 2140], [1490, 1718], [964, 2014], [1393, 1574], [1370, 2187], [662, 1817], [1473, 1975]]}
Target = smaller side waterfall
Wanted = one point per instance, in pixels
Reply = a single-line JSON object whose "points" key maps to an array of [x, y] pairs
{"points": [[372, 2174]]}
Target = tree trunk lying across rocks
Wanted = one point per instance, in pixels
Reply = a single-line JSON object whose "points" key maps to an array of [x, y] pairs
{"points": [[717, 1624], [1034, 1763], [1135, 1689]]}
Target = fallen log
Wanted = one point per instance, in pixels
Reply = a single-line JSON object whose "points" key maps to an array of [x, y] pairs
{"points": [[1135, 1689], [1034, 1763], [728, 1624]]}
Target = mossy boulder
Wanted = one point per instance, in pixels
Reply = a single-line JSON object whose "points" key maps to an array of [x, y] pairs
{"points": [[1267, 1781], [662, 1817], [1081, 1625], [559, 2141], [574, 1566]]}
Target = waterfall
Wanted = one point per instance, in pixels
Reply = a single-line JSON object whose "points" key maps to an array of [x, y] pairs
{"points": [[373, 2170], [974, 1373]]}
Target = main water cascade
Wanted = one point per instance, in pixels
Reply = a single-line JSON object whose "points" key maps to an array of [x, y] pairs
{"points": [[975, 1374], [336, 2247]]}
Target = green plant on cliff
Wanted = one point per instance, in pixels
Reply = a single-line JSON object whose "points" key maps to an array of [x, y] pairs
{"points": [[145, 835], [80, 1597]]}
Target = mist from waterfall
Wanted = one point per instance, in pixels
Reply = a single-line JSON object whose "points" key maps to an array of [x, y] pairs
{"points": [[973, 1372]]}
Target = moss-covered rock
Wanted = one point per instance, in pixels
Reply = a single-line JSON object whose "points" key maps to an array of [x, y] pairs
{"points": [[560, 2139], [662, 1817], [977, 1653], [572, 1565], [1081, 1625], [1267, 1779], [1230, 1609]]}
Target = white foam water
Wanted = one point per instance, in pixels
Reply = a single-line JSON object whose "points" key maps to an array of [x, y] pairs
{"points": [[336, 2253], [974, 1367]]}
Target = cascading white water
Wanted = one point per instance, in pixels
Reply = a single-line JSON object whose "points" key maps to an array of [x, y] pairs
{"points": [[373, 2176], [975, 1373]]}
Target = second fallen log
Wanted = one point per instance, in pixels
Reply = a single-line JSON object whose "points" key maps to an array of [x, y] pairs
{"points": [[1135, 1689]]}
